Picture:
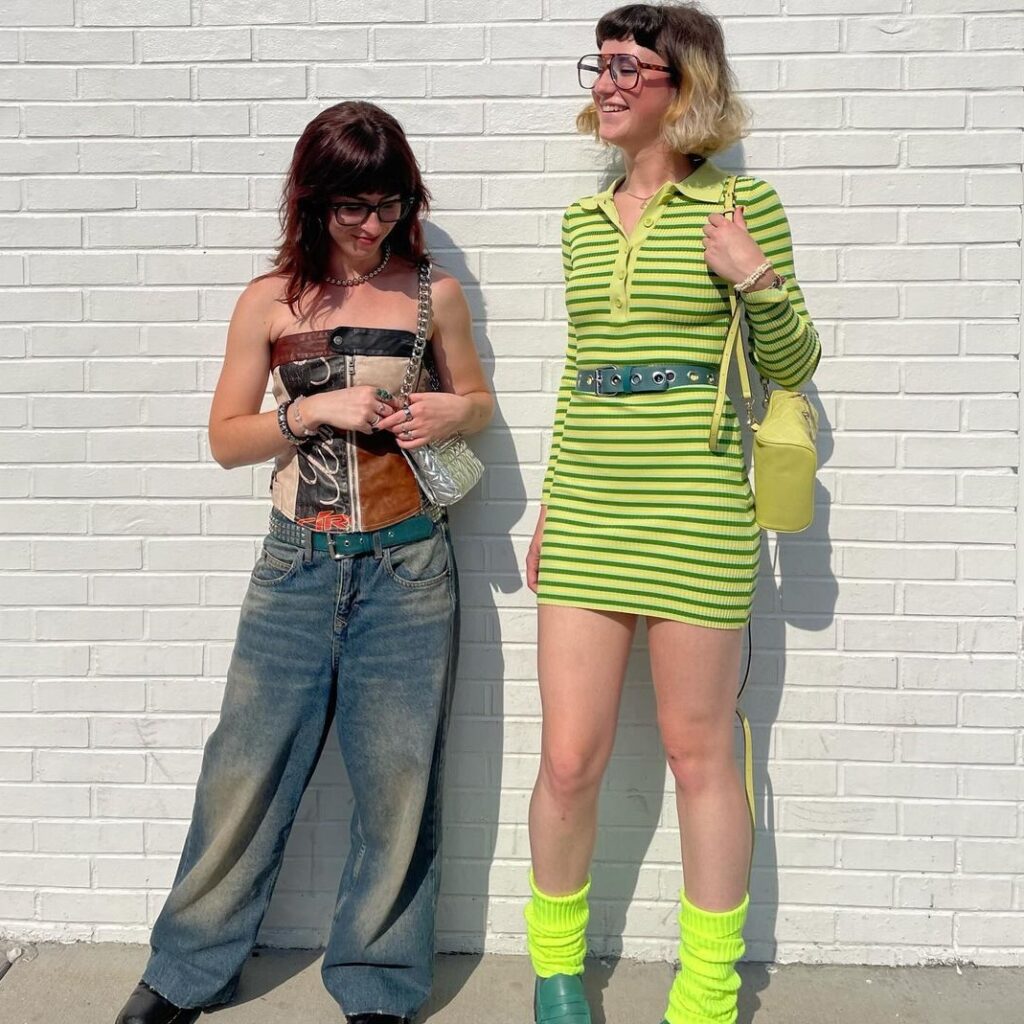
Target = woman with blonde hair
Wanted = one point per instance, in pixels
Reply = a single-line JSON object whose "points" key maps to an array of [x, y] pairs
{"points": [[639, 516]]}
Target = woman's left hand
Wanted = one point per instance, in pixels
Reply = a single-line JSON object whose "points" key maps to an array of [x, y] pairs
{"points": [[435, 416], [729, 249]]}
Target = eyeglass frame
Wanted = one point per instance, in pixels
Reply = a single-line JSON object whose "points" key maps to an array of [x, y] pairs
{"points": [[607, 66], [407, 203]]}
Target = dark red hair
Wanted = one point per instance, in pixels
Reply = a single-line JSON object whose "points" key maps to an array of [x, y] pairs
{"points": [[348, 149]]}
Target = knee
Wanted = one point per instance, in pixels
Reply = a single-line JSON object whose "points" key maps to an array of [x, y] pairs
{"points": [[696, 764], [571, 775]]}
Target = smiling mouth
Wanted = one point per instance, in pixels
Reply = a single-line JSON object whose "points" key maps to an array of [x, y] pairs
{"points": [[612, 108]]}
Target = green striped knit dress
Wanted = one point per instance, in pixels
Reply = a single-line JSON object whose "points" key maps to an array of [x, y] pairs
{"points": [[641, 516]]}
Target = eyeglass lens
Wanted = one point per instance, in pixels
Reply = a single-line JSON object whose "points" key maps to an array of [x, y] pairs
{"points": [[352, 213], [621, 66]]}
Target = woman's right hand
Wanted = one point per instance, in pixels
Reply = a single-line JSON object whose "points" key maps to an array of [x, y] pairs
{"points": [[533, 552], [358, 408]]}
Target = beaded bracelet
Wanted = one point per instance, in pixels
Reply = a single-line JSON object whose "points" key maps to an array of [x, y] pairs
{"points": [[751, 279], [282, 422]]}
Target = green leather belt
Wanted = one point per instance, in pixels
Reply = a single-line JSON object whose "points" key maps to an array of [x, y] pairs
{"points": [[627, 380], [343, 545]]}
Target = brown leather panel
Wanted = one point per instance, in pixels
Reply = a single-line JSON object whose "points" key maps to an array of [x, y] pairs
{"points": [[388, 491], [291, 347]]}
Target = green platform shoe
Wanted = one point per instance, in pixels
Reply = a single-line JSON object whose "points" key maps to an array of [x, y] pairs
{"points": [[560, 1000]]}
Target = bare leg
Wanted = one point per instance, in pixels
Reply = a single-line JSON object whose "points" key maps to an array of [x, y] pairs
{"points": [[695, 673], [581, 661]]}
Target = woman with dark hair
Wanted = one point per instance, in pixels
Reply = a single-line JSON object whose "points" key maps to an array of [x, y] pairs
{"points": [[352, 608], [640, 516]]}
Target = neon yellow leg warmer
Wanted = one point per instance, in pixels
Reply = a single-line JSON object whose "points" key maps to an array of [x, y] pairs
{"points": [[556, 931], [704, 990]]}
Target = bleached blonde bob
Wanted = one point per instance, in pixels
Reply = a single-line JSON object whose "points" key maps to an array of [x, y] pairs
{"points": [[707, 115]]}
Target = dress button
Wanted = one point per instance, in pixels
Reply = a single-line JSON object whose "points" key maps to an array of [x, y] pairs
{"points": [[621, 274], [648, 221], [618, 302]]}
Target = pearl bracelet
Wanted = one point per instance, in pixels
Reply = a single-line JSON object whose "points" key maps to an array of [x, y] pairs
{"points": [[751, 279]]}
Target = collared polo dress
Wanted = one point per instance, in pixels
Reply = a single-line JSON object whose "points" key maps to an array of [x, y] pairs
{"points": [[642, 516]]}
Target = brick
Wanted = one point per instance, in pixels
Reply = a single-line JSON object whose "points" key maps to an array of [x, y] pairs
{"points": [[84, 268], [194, 46], [941, 188], [141, 157], [992, 709], [63, 872], [146, 732], [914, 110], [254, 82], [838, 816], [40, 232], [191, 119], [382, 11], [966, 70], [958, 453], [127, 12], [79, 193], [902, 488], [312, 44], [972, 226], [842, 72], [239, 12], [945, 150], [897, 780], [78, 47], [48, 801], [960, 819], [943, 747], [898, 635], [54, 766], [26, 83], [370, 81], [38, 12], [94, 907], [904, 34], [996, 33], [955, 893], [911, 929], [43, 731], [203, 193], [134, 83]]}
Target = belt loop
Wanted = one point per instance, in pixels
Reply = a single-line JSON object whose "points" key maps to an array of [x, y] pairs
{"points": [[378, 551]]}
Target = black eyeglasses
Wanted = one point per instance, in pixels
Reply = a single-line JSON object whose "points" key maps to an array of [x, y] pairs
{"points": [[623, 67], [351, 213]]}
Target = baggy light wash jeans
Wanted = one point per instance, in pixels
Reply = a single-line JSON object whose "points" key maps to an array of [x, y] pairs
{"points": [[371, 641]]}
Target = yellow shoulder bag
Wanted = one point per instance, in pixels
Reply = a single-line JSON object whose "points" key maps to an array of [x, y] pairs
{"points": [[785, 457]]}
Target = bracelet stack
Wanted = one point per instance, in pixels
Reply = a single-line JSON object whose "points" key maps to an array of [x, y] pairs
{"points": [[282, 422], [751, 279]]}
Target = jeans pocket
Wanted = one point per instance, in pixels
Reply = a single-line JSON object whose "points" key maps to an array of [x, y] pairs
{"points": [[420, 564], [278, 561]]}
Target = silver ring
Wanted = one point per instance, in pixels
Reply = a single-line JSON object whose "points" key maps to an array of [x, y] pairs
{"points": [[408, 414], [375, 421], [407, 435]]}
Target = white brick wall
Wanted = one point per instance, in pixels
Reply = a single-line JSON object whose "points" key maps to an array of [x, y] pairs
{"points": [[141, 148]]}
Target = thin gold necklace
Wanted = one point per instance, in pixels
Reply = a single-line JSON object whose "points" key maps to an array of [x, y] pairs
{"points": [[644, 200]]}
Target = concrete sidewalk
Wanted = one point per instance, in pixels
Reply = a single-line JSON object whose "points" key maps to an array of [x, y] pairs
{"points": [[87, 984]]}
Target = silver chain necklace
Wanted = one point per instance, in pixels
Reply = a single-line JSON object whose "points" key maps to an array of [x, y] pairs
{"points": [[351, 282]]}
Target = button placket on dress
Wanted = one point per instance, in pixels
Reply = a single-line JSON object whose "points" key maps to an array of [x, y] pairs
{"points": [[629, 246]]}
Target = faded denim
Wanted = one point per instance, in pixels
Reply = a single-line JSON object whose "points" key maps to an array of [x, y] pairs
{"points": [[370, 641]]}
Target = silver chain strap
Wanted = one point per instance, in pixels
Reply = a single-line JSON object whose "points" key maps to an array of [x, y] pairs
{"points": [[412, 371]]}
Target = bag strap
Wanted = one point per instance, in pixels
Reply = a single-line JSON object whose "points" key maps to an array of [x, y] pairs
{"points": [[424, 311], [733, 345]]}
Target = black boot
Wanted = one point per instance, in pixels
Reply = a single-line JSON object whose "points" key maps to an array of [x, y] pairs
{"points": [[376, 1018], [145, 1006]]}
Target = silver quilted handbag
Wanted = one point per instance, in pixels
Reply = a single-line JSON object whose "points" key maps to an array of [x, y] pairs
{"points": [[445, 470]]}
